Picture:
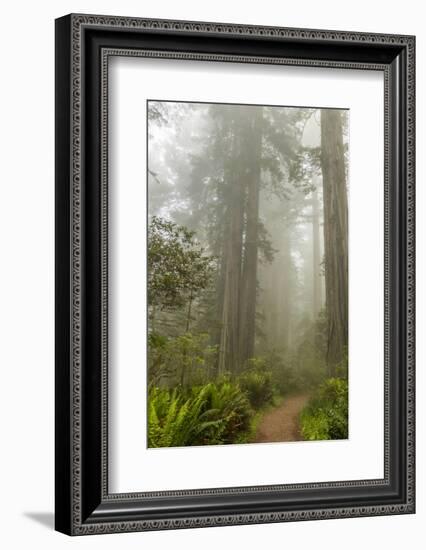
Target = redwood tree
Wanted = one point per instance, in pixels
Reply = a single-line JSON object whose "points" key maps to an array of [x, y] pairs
{"points": [[335, 234]]}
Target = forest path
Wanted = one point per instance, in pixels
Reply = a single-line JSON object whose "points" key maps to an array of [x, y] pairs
{"points": [[282, 423]]}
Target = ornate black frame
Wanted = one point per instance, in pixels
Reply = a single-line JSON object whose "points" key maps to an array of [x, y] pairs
{"points": [[83, 46]]}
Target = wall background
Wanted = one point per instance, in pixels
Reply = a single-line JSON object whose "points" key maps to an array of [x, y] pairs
{"points": [[27, 281]]}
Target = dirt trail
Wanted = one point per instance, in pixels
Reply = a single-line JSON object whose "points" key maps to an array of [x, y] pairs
{"points": [[282, 423]]}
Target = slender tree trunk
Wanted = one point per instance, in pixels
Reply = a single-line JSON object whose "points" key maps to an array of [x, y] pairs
{"points": [[335, 235], [221, 252], [188, 315], [249, 275], [274, 302], [151, 324], [284, 304], [224, 330], [279, 305], [316, 258]]}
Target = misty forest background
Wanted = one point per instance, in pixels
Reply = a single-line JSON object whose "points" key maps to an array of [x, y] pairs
{"points": [[247, 274]]}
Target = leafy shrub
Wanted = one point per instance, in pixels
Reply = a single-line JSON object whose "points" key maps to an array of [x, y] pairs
{"points": [[188, 358], [227, 404], [205, 415], [285, 377], [326, 415], [177, 266], [341, 369], [296, 370], [257, 384]]}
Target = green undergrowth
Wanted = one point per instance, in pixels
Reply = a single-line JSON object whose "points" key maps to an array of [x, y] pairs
{"points": [[217, 413], [326, 415]]}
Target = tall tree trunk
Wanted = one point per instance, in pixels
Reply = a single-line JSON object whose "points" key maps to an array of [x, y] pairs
{"points": [[188, 312], [335, 235], [229, 352], [252, 155], [224, 328], [229, 356], [285, 289], [316, 258], [278, 310], [273, 311]]}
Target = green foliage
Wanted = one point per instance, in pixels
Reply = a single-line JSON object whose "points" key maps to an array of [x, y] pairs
{"points": [[286, 372], [229, 405], [186, 358], [326, 415], [304, 366], [257, 383], [172, 420], [177, 266], [213, 414], [283, 374], [341, 369], [301, 367]]}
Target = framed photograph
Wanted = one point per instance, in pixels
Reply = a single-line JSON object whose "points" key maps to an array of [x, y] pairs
{"points": [[234, 274]]}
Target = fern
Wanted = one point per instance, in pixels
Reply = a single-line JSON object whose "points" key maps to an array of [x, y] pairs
{"points": [[210, 414]]}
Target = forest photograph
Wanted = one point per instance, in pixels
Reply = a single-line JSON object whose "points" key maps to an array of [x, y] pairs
{"points": [[247, 273]]}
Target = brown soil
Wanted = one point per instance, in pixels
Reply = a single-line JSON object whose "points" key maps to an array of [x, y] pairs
{"points": [[282, 423]]}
